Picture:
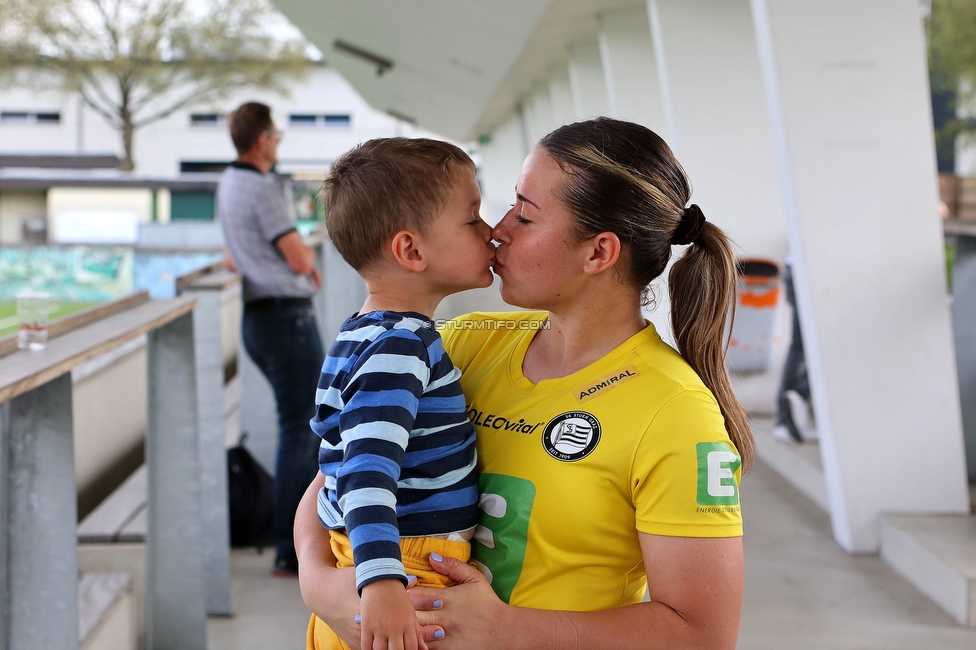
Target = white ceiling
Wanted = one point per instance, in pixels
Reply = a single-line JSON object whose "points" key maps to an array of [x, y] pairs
{"points": [[459, 66]]}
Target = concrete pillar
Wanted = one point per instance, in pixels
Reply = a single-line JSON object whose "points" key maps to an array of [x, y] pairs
{"points": [[963, 320], [38, 516], [212, 431], [176, 603], [258, 412], [343, 293], [561, 96], [629, 69], [586, 81], [848, 95], [707, 52]]}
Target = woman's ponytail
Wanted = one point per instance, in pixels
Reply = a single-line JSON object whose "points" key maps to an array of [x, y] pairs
{"points": [[703, 285]]}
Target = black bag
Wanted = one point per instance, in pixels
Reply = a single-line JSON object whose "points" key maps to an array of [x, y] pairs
{"points": [[249, 490]]}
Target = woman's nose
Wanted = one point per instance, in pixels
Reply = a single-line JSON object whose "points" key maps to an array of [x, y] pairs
{"points": [[500, 231]]}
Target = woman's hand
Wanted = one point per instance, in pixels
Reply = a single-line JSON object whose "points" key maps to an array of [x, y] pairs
{"points": [[469, 615]]}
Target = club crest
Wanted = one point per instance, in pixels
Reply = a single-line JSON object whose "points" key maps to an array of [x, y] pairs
{"points": [[571, 436]]}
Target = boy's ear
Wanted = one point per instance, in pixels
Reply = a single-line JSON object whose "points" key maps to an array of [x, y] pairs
{"points": [[406, 251], [604, 252]]}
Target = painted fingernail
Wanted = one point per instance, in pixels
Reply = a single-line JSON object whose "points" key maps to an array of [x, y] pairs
{"points": [[359, 619], [436, 557], [438, 604], [439, 634], [411, 579]]}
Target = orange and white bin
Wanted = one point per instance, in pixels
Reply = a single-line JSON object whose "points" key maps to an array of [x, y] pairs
{"points": [[751, 339]]}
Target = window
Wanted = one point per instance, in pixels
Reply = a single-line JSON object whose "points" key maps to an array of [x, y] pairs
{"points": [[25, 117], [308, 120], [337, 120], [14, 117], [191, 205], [302, 120], [203, 166], [207, 119]]}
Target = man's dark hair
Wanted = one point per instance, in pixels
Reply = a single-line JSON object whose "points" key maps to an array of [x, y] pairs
{"points": [[386, 185], [247, 123]]}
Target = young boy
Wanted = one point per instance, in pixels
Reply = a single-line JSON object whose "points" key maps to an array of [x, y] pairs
{"points": [[397, 447]]}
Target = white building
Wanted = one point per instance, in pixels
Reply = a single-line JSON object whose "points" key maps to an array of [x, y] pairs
{"points": [[176, 158]]}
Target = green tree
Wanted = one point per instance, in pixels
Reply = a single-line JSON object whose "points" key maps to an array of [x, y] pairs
{"points": [[138, 61], [951, 31]]}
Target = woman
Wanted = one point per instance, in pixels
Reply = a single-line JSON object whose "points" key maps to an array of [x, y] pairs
{"points": [[606, 459]]}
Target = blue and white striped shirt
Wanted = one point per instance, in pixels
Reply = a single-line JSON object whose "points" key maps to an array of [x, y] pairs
{"points": [[397, 447]]}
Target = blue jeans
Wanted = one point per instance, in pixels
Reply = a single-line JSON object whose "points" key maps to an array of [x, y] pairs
{"points": [[281, 337]]}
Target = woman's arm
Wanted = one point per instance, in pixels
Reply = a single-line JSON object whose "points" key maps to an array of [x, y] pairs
{"points": [[327, 591], [695, 586]]}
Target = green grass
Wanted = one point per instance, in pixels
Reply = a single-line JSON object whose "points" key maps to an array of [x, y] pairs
{"points": [[8, 314]]}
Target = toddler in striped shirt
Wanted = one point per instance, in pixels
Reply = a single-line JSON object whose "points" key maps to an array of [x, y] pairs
{"points": [[397, 447]]}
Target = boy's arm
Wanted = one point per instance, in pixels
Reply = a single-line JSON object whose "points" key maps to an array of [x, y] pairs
{"points": [[327, 590], [381, 397]]}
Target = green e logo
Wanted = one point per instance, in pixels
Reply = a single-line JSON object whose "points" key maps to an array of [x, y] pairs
{"points": [[717, 465], [502, 535]]}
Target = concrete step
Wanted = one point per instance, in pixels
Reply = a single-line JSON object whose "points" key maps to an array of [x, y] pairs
{"points": [[798, 463], [937, 554], [106, 615]]}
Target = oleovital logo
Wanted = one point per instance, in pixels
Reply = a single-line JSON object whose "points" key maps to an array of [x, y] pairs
{"points": [[571, 436]]}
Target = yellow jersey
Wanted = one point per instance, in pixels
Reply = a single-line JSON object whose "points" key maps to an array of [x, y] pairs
{"points": [[572, 468]]}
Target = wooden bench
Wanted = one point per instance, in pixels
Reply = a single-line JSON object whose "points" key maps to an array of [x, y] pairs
{"points": [[122, 516]]}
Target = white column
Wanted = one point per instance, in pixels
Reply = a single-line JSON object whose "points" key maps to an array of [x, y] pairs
{"points": [[502, 155], [852, 128], [721, 125], [538, 114], [586, 81], [561, 96], [629, 69]]}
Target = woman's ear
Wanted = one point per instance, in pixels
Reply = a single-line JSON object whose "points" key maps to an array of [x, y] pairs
{"points": [[604, 251], [406, 251]]}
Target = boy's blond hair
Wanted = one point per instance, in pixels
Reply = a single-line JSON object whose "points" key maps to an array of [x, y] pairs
{"points": [[386, 185]]}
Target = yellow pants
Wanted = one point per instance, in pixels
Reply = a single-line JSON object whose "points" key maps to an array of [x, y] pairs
{"points": [[414, 552]]}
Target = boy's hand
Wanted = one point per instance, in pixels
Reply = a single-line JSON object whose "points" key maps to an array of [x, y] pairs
{"points": [[389, 619]]}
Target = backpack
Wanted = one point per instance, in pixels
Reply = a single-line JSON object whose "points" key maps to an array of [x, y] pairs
{"points": [[249, 492]]}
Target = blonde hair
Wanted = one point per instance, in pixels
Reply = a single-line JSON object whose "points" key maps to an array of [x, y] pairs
{"points": [[623, 178]]}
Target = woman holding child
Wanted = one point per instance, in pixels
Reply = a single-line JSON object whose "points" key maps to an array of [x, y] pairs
{"points": [[607, 461]]}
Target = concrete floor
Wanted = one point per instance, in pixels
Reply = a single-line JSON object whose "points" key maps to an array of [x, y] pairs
{"points": [[802, 591], [269, 612]]}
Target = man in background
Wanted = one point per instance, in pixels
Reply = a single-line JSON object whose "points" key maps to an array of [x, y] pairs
{"points": [[278, 328]]}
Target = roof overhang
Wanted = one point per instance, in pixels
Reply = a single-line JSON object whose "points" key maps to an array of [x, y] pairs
{"points": [[454, 67]]}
